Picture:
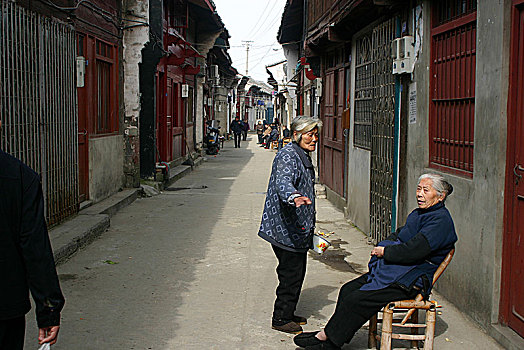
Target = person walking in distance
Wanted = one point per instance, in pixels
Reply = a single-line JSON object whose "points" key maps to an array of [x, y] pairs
{"points": [[260, 131], [236, 128], [288, 220], [245, 129], [26, 258]]}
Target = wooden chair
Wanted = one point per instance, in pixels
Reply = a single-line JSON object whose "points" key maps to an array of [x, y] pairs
{"points": [[410, 307], [286, 140]]}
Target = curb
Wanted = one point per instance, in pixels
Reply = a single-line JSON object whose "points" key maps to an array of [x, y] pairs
{"points": [[74, 234]]}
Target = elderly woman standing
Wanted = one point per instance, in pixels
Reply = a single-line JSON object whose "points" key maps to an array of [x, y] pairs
{"points": [[401, 267], [288, 220]]}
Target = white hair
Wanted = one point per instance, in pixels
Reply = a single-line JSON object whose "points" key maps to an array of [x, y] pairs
{"points": [[439, 183], [302, 124]]}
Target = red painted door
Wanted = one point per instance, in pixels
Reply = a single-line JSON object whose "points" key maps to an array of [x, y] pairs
{"points": [[512, 311], [332, 141], [82, 96], [178, 122]]}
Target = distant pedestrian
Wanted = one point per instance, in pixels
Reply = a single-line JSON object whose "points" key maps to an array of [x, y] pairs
{"points": [[245, 129], [288, 221], [260, 131], [265, 136], [273, 136], [236, 128], [285, 132], [26, 259], [285, 135]]}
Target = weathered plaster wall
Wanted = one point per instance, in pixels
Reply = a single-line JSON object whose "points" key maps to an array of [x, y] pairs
{"points": [[472, 280], [221, 108], [133, 42], [106, 156]]}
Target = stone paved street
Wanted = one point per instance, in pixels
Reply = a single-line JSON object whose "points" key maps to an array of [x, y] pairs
{"points": [[186, 270]]}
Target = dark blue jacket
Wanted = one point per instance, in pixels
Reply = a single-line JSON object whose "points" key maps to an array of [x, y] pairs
{"points": [[26, 259], [236, 126], [413, 254], [282, 223]]}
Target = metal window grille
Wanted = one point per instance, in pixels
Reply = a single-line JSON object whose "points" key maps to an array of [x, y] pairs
{"points": [[38, 102], [452, 109], [363, 93], [382, 131]]}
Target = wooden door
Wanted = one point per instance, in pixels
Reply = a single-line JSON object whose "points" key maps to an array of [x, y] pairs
{"points": [[178, 122], [512, 305], [161, 120], [332, 141], [83, 149]]}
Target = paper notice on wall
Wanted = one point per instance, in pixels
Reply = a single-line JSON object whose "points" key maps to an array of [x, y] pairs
{"points": [[412, 98]]}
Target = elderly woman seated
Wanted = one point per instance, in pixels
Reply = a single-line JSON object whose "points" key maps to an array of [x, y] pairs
{"points": [[400, 267]]}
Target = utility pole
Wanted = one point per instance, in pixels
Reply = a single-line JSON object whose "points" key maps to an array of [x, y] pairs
{"points": [[247, 43]]}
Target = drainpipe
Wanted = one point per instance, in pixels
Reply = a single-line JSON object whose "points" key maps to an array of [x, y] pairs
{"points": [[396, 140]]}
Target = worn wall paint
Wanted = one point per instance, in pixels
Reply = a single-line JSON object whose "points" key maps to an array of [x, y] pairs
{"points": [[133, 42], [106, 158]]}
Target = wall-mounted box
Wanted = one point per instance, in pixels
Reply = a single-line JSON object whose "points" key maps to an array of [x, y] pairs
{"points": [[402, 53], [80, 71], [185, 90]]}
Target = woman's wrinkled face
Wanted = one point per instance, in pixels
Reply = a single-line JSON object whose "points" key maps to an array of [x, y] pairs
{"points": [[427, 196], [309, 140]]}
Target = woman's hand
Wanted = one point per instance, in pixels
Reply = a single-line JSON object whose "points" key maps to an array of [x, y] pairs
{"points": [[378, 252], [302, 201]]}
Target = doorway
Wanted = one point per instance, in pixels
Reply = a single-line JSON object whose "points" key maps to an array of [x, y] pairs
{"points": [[512, 303]]}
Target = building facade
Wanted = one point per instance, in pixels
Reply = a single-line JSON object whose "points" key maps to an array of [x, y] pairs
{"points": [[426, 86]]}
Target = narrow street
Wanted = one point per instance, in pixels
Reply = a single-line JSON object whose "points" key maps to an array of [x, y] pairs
{"points": [[186, 270]]}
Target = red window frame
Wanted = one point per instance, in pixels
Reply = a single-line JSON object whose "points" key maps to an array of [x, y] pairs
{"points": [[452, 86], [106, 80]]}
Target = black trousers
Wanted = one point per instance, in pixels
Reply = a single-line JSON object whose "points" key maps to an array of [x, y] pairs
{"points": [[12, 333], [355, 307], [260, 138], [244, 135], [291, 271], [237, 139]]}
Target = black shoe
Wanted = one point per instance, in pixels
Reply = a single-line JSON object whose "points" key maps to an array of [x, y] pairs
{"points": [[306, 338], [300, 320], [309, 341], [288, 327]]}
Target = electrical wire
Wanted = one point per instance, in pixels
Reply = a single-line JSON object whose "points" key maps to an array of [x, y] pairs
{"points": [[252, 28], [263, 22]]}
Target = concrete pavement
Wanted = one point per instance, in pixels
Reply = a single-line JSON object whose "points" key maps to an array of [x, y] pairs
{"points": [[186, 270]]}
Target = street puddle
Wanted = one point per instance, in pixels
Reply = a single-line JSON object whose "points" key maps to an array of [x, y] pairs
{"points": [[335, 256]]}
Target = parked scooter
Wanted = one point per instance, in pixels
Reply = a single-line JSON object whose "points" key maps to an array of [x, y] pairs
{"points": [[212, 139]]}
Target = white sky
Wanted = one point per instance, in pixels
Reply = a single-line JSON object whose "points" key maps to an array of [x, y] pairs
{"points": [[256, 20]]}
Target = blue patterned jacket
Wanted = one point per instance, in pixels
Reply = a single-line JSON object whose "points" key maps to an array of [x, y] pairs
{"points": [[283, 224]]}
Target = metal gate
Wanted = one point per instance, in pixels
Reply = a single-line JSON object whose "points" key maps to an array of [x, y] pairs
{"points": [[382, 131], [38, 102]]}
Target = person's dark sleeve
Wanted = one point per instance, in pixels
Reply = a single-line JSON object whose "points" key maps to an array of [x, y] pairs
{"points": [[394, 235], [409, 252], [38, 257]]}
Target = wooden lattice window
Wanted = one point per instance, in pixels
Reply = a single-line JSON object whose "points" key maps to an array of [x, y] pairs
{"points": [[106, 88], [452, 90]]}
